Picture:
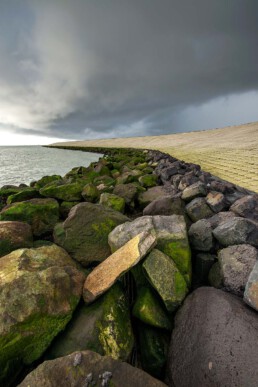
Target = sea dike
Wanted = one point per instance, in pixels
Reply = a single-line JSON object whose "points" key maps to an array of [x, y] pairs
{"points": [[139, 270]]}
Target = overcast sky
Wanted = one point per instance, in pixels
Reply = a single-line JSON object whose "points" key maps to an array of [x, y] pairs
{"points": [[83, 69]]}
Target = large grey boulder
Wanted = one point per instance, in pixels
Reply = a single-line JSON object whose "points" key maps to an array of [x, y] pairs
{"points": [[237, 231], [193, 191], [221, 217], [236, 264], [84, 234], [151, 194], [200, 235], [214, 342], [87, 369], [246, 207], [168, 205], [198, 209]]}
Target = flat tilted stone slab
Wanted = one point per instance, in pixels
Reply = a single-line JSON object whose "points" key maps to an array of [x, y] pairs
{"points": [[106, 274]]}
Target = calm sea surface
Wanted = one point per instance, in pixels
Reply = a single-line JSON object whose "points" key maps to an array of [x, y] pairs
{"points": [[22, 164]]}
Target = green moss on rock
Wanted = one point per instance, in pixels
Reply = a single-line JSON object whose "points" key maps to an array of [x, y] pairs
{"points": [[68, 192], [154, 349], [103, 327], [165, 277], [112, 201], [41, 214], [149, 309]]}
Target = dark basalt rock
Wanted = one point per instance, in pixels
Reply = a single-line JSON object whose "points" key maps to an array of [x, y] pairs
{"points": [[214, 342]]}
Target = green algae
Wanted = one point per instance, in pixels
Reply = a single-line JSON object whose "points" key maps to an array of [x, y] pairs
{"points": [[149, 309]]}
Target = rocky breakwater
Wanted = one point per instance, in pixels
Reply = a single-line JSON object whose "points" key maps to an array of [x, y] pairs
{"points": [[137, 270]]}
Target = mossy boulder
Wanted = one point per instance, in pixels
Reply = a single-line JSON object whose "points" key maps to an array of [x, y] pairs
{"points": [[103, 327], [39, 290], [8, 190], [154, 344], [149, 309], [79, 171], [68, 192], [14, 235], [149, 180], [166, 279], [84, 234], [45, 180], [112, 201], [25, 194], [90, 193], [41, 214]]}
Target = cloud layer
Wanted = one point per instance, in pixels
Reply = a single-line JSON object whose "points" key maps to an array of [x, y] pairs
{"points": [[91, 69]]}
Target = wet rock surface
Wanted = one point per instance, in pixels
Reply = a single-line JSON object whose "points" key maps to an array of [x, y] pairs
{"points": [[136, 292]]}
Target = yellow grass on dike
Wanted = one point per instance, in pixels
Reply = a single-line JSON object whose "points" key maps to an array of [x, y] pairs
{"points": [[230, 153]]}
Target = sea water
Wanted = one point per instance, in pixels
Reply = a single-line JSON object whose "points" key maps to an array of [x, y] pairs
{"points": [[23, 164]]}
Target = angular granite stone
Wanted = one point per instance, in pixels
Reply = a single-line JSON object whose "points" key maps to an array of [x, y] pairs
{"points": [[107, 273], [237, 231], [216, 201], [246, 207], [198, 209], [200, 235], [236, 264], [193, 191]]}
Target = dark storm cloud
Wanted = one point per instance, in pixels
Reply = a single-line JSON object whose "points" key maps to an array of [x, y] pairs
{"points": [[83, 69]]}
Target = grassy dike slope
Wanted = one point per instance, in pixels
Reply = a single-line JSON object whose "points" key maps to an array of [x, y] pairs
{"points": [[230, 153]]}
